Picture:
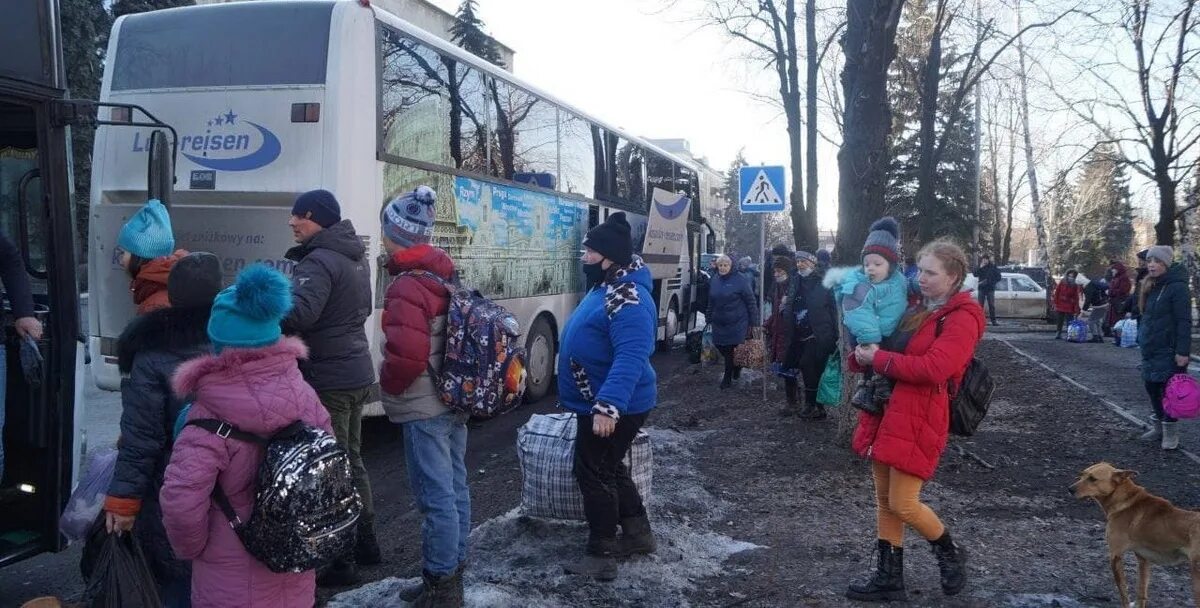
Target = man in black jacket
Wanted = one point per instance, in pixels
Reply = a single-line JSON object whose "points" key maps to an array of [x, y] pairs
{"points": [[989, 278], [20, 299], [331, 289], [816, 330]]}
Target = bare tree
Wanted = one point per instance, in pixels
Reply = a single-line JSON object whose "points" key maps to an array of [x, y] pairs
{"points": [[1035, 198], [869, 46], [770, 28]]}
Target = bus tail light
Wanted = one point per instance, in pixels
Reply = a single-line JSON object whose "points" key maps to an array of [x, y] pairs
{"points": [[306, 112]]}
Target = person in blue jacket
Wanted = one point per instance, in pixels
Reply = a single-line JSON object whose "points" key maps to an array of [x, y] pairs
{"points": [[873, 299], [1164, 335], [732, 311], [605, 377]]}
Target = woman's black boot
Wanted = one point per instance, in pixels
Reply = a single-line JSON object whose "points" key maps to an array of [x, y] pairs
{"points": [[887, 582], [952, 562]]}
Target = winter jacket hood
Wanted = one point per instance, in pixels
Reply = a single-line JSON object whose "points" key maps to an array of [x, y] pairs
{"points": [[414, 330], [912, 433], [331, 290], [259, 391], [169, 329], [1165, 329], [607, 342], [149, 287], [871, 311]]}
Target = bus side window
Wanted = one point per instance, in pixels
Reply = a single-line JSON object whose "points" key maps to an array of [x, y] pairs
{"points": [[593, 216]]}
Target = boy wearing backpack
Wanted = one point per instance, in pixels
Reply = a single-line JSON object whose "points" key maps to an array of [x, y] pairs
{"points": [[253, 383], [435, 437]]}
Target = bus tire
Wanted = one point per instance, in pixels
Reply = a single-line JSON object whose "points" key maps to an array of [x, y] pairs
{"points": [[672, 326], [540, 350]]}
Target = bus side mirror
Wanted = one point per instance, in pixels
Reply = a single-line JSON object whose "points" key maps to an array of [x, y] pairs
{"points": [[160, 171]]}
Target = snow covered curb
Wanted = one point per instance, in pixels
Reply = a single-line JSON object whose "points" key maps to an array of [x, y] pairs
{"points": [[517, 561]]}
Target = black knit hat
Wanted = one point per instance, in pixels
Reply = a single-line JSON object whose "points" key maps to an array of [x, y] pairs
{"points": [[194, 280], [784, 263], [612, 239], [320, 206]]}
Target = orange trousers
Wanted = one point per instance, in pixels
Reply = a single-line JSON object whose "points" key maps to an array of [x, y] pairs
{"points": [[898, 502]]}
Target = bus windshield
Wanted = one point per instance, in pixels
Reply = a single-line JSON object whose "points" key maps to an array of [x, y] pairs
{"points": [[240, 45]]}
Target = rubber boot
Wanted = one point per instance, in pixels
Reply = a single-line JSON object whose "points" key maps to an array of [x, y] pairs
{"points": [[341, 573], [636, 537], [887, 582], [952, 562], [599, 560], [366, 550], [1156, 430], [440, 591], [1170, 435]]}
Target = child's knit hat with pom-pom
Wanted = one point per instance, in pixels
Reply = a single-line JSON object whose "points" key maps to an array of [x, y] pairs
{"points": [[247, 314], [884, 240]]}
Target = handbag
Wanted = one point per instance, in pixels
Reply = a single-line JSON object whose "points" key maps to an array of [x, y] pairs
{"points": [[751, 354], [829, 390], [1182, 397], [969, 400]]}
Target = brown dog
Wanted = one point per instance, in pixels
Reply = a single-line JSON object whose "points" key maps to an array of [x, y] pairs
{"points": [[1154, 529]]}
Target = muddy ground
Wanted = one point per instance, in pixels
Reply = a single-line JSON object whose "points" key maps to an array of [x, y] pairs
{"points": [[755, 510]]}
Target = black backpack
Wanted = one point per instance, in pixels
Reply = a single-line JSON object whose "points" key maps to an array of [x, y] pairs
{"points": [[969, 401], [305, 509]]}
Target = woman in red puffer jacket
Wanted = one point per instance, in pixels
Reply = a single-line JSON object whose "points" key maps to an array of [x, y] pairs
{"points": [[906, 442], [1066, 300]]}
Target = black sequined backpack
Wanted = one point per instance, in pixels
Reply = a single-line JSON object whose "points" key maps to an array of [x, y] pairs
{"points": [[305, 508]]}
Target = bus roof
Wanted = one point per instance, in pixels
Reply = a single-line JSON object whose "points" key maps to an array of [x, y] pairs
{"points": [[463, 56], [424, 37]]}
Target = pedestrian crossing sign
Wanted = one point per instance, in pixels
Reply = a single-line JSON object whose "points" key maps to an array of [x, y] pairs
{"points": [[760, 189]]}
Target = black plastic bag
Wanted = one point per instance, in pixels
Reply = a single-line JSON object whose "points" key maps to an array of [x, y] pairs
{"points": [[117, 573]]}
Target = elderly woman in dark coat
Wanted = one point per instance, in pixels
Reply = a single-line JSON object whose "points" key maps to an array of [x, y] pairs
{"points": [[732, 311], [1164, 335], [149, 351]]}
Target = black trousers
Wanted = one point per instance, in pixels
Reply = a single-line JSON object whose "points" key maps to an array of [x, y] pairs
{"points": [[1157, 391], [1063, 318], [988, 298], [608, 491], [731, 370], [812, 365]]}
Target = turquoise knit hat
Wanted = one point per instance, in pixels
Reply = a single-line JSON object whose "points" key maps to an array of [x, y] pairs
{"points": [[148, 233], [247, 314]]}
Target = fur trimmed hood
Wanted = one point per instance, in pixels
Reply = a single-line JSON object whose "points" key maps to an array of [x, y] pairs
{"points": [[170, 329], [235, 361]]}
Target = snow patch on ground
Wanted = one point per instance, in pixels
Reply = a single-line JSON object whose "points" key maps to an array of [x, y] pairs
{"points": [[517, 561]]}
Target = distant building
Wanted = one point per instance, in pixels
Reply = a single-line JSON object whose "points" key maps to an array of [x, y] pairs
{"points": [[712, 181], [421, 14]]}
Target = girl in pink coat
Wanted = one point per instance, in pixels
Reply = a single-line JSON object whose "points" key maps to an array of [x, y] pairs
{"points": [[252, 382]]}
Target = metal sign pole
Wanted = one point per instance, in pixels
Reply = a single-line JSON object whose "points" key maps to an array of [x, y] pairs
{"points": [[762, 246]]}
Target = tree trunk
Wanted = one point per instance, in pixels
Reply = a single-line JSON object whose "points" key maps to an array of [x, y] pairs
{"points": [[1035, 198], [978, 157], [1164, 230], [869, 44], [931, 82], [810, 99], [804, 230]]}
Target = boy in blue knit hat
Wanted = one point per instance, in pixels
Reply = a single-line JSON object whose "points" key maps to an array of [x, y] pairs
{"points": [[873, 299]]}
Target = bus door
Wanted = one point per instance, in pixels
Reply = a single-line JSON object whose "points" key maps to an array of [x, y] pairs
{"points": [[39, 377]]}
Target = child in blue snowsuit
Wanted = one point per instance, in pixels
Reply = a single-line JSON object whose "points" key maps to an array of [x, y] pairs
{"points": [[873, 298]]}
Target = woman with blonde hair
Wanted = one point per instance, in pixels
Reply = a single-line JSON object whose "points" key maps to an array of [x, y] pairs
{"points": [[936, 340], [733, 313]]}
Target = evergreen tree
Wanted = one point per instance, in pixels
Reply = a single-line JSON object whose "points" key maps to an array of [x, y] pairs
{"points": [[1061, 201], [954, 185], [132, 7], [468, 32], [1102, 228], [741, 231], [85, 28]]}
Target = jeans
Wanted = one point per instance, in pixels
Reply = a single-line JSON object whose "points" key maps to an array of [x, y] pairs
{"points": [[345, 412], [988, 297], [435, 452], [609, 494], [898, 502]]}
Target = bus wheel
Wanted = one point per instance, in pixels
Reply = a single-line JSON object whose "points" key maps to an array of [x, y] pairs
{"points": [[539, 352], [672, 327]]}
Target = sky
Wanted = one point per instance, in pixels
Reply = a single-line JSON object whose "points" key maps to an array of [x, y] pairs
{"points": [[653, 74]]}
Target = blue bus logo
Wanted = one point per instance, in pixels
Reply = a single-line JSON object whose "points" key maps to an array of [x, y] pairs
{"points": [[225, 144], [672, 210]]}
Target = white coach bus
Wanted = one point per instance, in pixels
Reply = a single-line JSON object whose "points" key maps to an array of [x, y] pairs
{"points": [[271, 99]]}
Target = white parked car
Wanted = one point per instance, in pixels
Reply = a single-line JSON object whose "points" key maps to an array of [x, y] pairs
{"points": [[1017, 295]]}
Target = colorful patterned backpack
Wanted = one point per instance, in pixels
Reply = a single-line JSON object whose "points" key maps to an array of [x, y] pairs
{"points": [[483, 372]]}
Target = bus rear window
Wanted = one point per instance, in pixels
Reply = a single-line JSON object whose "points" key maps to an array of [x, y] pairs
{"points": [[284, 43]]}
